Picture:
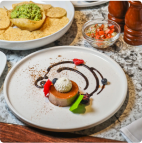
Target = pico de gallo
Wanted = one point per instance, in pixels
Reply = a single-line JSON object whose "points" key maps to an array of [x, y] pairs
{"points": [[101, 32]]}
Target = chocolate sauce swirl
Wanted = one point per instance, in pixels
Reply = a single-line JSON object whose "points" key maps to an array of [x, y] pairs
{"points": [[70, 69], [91, 69]]}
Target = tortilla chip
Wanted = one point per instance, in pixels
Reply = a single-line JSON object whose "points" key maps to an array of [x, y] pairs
{"points": [[2, 31], [57, 24], [9, 13], [2, 37], [50, 26], [41, 32], [38, 34], [26, 35], [56, 12], [16, 34], [4, 19], [46, 8]]}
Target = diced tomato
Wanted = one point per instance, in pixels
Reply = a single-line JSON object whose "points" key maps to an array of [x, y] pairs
{"points": [[112, 26], [109, 35], [97, 30], [106, 36], [97, 37], [101, 32], [107, 30], [111, 31], [97, 33], [92, 35], [102, 26], [103, 37], [100, 29]]}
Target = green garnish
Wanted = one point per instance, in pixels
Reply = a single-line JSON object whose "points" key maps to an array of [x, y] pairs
{"points": [[76, 103], [28, 11]]}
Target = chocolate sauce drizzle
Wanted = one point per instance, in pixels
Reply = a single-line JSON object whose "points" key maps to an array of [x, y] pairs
{"points": [[70, 69], [91, 69]]}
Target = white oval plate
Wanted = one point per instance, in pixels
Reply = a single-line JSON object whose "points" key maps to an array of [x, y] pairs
{"points": [[32, 44], [29, 104], [2, 62], [87, 4]]}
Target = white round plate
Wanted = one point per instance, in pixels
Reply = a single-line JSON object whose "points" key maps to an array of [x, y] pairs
{"points": [[28, 103], [87, 4], [32, 44], [2, 62]]}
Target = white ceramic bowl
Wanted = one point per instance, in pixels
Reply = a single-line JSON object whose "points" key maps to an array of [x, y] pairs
{"points": [[31, 44]]}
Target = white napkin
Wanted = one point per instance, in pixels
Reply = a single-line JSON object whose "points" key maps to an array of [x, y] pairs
{"points": [[133, 132]]}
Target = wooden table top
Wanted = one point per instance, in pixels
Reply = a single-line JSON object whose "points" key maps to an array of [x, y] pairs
{"points": [[17, 133]]}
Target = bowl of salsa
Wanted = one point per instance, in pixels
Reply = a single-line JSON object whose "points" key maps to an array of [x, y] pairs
{"points": [[101, 33]]}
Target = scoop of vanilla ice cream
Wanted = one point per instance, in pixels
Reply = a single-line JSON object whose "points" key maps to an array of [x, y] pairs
{"points": [[63, 84]]}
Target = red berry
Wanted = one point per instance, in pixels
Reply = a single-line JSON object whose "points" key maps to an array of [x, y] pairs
{"points": [[47, 87], [78, 61], [74, 60]]}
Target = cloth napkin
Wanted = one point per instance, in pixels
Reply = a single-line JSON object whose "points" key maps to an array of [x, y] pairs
{"points": [[133, 132]]}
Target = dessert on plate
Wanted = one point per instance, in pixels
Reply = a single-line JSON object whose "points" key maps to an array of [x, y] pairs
{"points": [[64, 92]]}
